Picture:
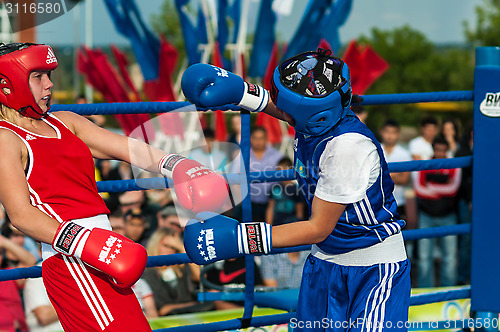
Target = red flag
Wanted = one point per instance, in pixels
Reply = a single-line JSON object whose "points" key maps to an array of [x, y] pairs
{"points": [[217, 56], [271, 124], [271, 66], [220, 126], [122, 61], [220, 117], [241, 59], [352, 57], [103, 77], [161, 89], [365, 64], [374, 67]]}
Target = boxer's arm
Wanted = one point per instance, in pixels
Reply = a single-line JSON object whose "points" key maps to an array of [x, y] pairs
{"points": [[198, 188], [105, 144], [324, 217], [14, 193]]}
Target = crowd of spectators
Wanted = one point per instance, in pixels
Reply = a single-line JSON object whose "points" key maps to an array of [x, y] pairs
{"points": [[442, 197]]}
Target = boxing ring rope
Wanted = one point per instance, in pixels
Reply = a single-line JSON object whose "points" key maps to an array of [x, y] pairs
{"points": [[271, 176], [173, 259], [160, 183], [162, 107]]}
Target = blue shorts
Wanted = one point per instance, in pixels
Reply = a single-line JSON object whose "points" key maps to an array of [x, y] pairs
{"points": [[353, 298]]}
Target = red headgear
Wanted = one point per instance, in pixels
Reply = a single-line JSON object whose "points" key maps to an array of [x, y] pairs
{"points": [[17, 61]]}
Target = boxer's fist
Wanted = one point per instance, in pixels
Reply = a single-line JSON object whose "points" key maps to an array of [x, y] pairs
{"points": [[198, 188], [208, 86], [121, 259], [212, 237]]}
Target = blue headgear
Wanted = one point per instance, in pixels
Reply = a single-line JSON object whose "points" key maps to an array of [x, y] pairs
{"points": [[314, 88]]}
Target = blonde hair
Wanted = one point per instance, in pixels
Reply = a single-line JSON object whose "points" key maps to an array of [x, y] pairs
{"points": [[154, 245], [8, 114]]}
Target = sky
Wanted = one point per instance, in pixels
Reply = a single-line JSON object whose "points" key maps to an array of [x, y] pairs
{"points": [[440, 20]]}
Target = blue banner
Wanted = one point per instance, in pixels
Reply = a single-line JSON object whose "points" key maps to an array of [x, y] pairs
{"points": [[189, 33], [321, 19], [146, 46], [263, 40]]}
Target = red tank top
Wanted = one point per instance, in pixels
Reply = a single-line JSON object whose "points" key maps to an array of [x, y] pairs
{"points": [[60, 173]]}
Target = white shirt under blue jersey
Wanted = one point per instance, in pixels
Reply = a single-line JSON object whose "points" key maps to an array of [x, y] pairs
{"points": [[347, 166]]}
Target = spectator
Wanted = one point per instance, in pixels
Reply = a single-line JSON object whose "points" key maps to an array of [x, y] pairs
{"points": [[437, 191], [465, 208], [12, 318], [169, 217], [40, 314], [173, 286], [283, 270], [394, 152], [450, 132], [159, 197], [12, 259], [231, 273], [207, 154], [360, 112], [286, 203], [132, 200], [235, 137], [263, 157], [98, 119], [135, 226], [421, 146], [117, 221]]}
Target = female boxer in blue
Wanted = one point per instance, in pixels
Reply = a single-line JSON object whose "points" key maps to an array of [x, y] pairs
{"points": [[357, 277]]}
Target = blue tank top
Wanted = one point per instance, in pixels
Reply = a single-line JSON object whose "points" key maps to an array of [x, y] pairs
{"points": [[363, 223]]}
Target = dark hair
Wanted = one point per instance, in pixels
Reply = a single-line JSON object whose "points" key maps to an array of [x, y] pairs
{"points": [[258, 128], [454, 122], [285, 161], [440, 140], [391, 123], [357, 99], [135, 213], [208, 133], [428, 120], [116, 214]]}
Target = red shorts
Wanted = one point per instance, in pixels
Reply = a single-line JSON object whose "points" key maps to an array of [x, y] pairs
{"points": [[85, 299]]}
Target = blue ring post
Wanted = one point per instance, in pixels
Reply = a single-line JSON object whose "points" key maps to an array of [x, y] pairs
{"points": [[485, 292], [246, 205]]}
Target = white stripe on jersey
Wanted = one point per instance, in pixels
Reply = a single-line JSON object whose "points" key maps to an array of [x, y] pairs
{"points": [[30, 152], [383, 194], [370, 210], [358, 212], [42, 206], [365, 213]]}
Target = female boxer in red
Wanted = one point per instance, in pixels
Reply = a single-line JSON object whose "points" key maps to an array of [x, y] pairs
{"points": [[48, 189]]}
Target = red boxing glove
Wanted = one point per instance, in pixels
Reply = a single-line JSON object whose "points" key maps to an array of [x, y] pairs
{"points": [[198, 188], [121, 259]]}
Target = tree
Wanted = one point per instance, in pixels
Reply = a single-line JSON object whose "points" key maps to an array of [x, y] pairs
{"points": [[416, 65], [487, 28]]}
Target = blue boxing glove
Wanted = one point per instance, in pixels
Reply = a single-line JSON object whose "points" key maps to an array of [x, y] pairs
{"points": [[212, 237], [208, 86]]}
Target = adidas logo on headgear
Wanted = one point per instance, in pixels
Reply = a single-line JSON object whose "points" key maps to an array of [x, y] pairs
{"points": [[51, 57]]}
